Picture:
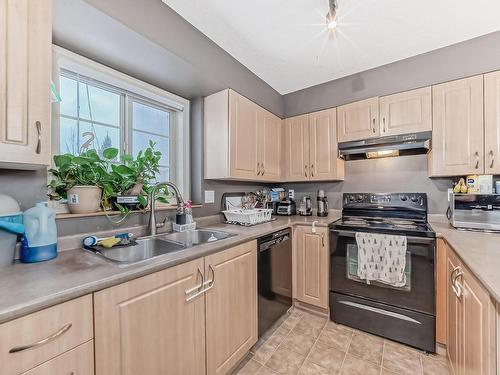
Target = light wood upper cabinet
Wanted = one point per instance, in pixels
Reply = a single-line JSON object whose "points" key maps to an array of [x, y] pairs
{"points": [[147, 326], [358, 120], [471, 337], [492, 123], [231, 306], [457, 139], [297, 148], [311, 266], [25, 68], [242, 140], [270, 149], [311, 147], [406, 112], [323, 151], [243, 133]]}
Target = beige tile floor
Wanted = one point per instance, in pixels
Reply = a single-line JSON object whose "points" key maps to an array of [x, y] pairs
{"points": [[309, 344]]}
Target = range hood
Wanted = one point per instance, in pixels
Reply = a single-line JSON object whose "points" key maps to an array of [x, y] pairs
{"points": [[394, 145]]}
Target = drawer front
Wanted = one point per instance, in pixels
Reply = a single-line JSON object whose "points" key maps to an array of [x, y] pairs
{"points": [[78, 361], [28, 341]]}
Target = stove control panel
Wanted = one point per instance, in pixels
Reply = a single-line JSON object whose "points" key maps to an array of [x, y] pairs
{"points": [[380, 200]]}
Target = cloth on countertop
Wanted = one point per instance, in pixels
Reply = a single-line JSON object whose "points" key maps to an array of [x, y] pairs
{"points": [[382, 258]]}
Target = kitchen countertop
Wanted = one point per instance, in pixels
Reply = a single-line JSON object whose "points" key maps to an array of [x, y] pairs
{"points": [[478, 250], [25, 288]]}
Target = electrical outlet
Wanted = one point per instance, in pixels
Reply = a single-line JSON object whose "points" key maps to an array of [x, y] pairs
{"points": [[209, 196]]}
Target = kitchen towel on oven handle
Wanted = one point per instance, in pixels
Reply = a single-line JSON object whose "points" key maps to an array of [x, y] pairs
{"points": [[382, 258]]}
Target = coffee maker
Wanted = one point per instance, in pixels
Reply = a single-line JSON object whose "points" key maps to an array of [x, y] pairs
{"points": [[305, 208], [287, 207], [322, 203]]}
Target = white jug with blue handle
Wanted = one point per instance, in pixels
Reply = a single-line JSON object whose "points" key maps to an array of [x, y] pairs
{"points": [[40, 239]]}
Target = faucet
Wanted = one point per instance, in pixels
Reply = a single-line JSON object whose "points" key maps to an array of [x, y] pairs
{"points": [[152, 199]]}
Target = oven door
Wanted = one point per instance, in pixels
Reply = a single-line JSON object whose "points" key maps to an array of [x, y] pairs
{"points": [[417, 294]]}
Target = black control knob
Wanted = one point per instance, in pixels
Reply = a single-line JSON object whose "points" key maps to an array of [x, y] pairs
{"points": [[414, 199], [404, 198], [360, 197], [351, 198]]}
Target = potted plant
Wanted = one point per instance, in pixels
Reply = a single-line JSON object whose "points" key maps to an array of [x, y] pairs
{"points": [[129, 183], [79, 179]]}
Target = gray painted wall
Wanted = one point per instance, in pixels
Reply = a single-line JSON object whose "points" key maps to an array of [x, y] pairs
{"points": [[400, 174], [149, 41], [475, 56]]}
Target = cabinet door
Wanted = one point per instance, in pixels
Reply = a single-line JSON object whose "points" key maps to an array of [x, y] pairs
{"points": [[297, 148], [358, 120], [311, 265], [478, 328], [323, 151], [25, 63], [243, 129], [231, 306], [147, 326], [457, 134], [406, 112], [269, 140], [492, 123], [454, 339], [78, 361], [441, 292]]}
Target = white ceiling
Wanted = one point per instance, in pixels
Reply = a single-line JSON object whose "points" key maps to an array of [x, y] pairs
{"points": [[285, 42]]}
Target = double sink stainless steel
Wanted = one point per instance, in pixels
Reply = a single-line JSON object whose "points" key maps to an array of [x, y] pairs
{"points": [[154, 246]]}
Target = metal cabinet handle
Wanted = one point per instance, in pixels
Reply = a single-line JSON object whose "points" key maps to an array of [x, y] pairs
{"points": [[263, 169], [492, 154], [452, 279], [457, 289], [38, 125], [50, 338], [373, 124], [305, 170], [322, 239], [476, 154], [312, 170], [211, 282], [197, 287], [383, 121], [258, 169]]}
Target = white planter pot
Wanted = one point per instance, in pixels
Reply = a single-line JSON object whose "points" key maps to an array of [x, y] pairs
{"points": [[84, 199]]}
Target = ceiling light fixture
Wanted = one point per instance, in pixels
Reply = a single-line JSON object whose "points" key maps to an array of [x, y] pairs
{"points": [[331, 16]]}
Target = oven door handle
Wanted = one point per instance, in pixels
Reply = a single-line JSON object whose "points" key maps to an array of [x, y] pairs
{"points": [[412, 239]]}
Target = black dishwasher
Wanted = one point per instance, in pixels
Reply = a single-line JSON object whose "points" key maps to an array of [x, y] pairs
{"points": [[274, 268]]}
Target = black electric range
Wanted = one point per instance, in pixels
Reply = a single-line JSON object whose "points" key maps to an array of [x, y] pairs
{"points": [[407, 313]]}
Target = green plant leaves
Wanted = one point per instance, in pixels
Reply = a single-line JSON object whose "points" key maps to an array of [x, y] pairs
{"points": [[110, 153], [114, 178]]}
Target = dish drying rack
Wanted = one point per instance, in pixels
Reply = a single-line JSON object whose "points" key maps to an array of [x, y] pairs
{"points": [[248, 217]]}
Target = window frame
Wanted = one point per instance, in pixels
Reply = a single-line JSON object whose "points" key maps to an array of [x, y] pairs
{"points": [[66, 62]]}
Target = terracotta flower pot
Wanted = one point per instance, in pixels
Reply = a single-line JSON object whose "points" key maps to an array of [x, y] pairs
{"points": [[84, 199]]}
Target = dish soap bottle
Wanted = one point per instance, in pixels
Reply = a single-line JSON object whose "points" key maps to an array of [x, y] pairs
{"points": [[40, 237]]}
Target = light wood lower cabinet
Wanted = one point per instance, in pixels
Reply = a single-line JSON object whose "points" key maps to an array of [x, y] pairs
{"points": [[28, 341], [311, 266], [78, 361], [471, 333], [195, 318], [231, 306], [146, 326]]}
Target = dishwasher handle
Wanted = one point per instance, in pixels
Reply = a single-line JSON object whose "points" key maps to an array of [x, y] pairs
{"points": [[266, 245]]}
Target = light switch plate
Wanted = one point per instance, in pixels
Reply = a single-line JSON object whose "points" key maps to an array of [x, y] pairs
{"points": [[209, 196]]}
